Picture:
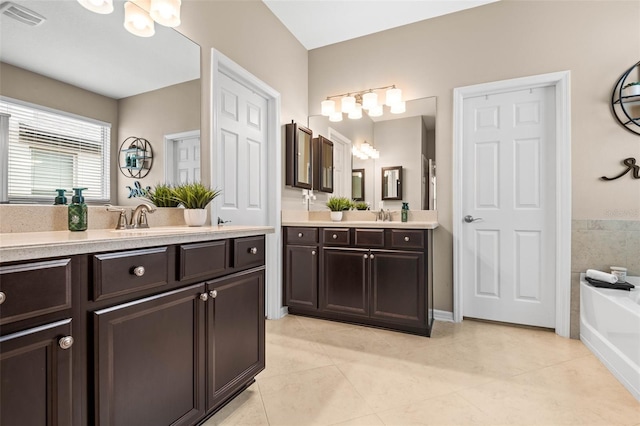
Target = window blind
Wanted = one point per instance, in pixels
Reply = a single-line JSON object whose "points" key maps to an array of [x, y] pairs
{"points": [[50, 149]]}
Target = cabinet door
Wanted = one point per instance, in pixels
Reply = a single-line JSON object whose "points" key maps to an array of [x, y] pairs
{"points": [[344, 281], [149, 360], [35, 372], [323, 165], [235, 334], [301, 276], [397, 286]]}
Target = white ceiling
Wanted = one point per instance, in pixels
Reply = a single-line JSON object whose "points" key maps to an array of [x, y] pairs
{"points": [[317, 23]]}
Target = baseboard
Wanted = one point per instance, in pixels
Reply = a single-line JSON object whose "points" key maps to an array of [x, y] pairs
{"points": [[444, 316]]}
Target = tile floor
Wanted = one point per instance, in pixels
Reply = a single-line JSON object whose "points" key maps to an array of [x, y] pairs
{"points": [[474, 373]]}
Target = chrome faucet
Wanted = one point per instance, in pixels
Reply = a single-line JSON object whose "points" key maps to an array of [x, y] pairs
{"points": [[383, 216], [122, 219], [139, 216]]}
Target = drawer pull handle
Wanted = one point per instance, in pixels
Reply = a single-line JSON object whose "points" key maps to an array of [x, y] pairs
{"points": [[138, 271], [213, 294], [299, 234], [366, 256], [253, 250], [335, 236], [3, 297], [313, 252], [204, 297], [406, 238], [65, 342]]}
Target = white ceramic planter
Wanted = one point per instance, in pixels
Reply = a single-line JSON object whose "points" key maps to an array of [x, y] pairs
{"points": [[336, 216], [195, 217]]}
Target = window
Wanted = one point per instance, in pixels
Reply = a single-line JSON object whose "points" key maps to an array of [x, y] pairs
{"points": [[49, 150]]}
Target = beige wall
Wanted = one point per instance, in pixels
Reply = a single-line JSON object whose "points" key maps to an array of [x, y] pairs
{"points": [[595, 40], [151, 116], [249, 34], [18, 83]]}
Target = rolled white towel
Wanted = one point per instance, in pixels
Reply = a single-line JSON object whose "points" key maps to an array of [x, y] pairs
{"points": [[602, 276]]}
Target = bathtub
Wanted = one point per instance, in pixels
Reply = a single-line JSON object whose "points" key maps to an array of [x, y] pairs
{"points": [[610, 328]]}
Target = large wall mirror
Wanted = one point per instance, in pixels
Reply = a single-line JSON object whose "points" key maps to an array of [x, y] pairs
{"points": [[87, 64], [404, 140]]}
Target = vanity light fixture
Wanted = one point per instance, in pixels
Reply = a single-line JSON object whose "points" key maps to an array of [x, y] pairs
{"points": [[365, 151], [166, 12], [352, 103], [137, 21], [103, 7]]}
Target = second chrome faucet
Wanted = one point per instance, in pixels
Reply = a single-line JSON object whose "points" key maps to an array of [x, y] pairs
{"points": [[138, 216]]}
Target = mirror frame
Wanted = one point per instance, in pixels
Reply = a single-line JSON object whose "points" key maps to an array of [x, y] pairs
{"points": [[362, 186], [382, 189]]}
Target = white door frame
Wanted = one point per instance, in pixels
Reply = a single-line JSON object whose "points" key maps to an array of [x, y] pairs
{"points": [[561, 82], [273, 276], [169, 141]]}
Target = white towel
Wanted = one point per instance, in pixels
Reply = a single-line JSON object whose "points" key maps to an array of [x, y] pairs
{"points": [[602, 276]]}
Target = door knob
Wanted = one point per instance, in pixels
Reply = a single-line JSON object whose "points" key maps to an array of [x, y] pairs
{"points": [[470, 219]]}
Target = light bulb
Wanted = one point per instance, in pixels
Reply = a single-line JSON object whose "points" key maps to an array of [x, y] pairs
{"points": [[98, 6], [394, 96], [336, 116], [166, 12], [356, 113], [348, 103], [137, 21], [369, 100], [328, 107]]}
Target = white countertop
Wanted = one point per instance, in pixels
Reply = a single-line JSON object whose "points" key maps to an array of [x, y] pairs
{"points": [[362, 224], [36, 245]]}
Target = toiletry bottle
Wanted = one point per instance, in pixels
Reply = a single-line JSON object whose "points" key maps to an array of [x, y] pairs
{"points": [[77, 211], [405, 211], [60, 199]]}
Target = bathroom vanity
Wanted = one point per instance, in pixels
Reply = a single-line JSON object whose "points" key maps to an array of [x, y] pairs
{"points": [[145, 327], [370, 273]]}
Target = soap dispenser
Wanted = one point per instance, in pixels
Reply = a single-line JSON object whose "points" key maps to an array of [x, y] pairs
{"points": [[405, 212], [77, 211], [60, 199]]}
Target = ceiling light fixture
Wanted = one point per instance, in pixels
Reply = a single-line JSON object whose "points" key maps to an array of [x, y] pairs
{"points": [[140, 15], [352, 103]]}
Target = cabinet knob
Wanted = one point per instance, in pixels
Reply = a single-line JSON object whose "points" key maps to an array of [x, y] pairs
{"points": [[253, 250], [65, 342], [313, 252], [366, 256], [371, 256], [204, 297], [213, 294], [334, 236], [3, 297], [138, 271], [406, 238], [299, 234]]}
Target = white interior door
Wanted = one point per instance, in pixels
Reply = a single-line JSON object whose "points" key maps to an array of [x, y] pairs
{"points": [[508, 201], [242, 154], [187, 159]]}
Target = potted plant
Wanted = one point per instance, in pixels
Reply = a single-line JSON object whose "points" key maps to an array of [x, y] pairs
{"points": [[337, 205], [631, 89], [162, 196], [360, 205], [194, 197]]}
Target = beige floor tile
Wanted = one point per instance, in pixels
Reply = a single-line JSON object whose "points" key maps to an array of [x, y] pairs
{"points": [[386, 382], [444, 410], [313, 325], [288, 355], [348, 345], [289, 325], [245, 409], [370, 420], [321, 396]]}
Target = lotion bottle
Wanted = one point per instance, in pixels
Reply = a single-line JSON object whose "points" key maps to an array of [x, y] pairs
{"points": [[77, 211], [405, 212]]}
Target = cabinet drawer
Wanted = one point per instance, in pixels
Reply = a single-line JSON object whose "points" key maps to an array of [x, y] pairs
{"points": [[302, 235], [372, 238], [33, 289], [248, 252], [407, 239], [204, 260], [336, 237], [115, 274]]}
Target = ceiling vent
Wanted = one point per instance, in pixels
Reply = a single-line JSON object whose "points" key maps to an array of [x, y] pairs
{"points": [[21, 13]]}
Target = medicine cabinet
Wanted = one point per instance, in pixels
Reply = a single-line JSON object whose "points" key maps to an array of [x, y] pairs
{"points": [[309, 160]]}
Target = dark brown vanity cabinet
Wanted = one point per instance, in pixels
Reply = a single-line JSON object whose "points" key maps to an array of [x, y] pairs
{"points": [[36, 343], [379, 277], [175, 357], [301, 256]]}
